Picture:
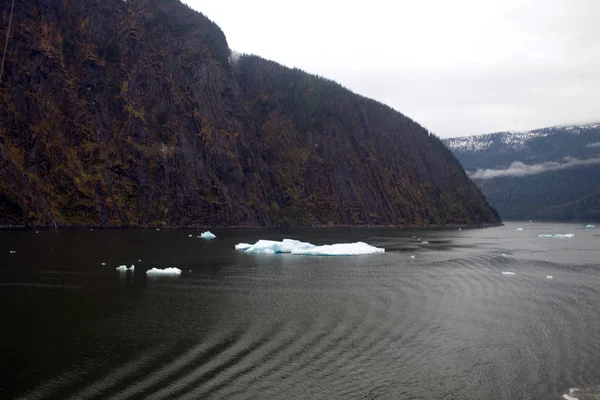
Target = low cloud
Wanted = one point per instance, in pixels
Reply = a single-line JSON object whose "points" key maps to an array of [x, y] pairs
{"points": [[519, 169], [234, 57]]}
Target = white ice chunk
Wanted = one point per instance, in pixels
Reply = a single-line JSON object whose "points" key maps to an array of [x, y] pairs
{"points": [[122, 268], [207, 235], [103, 263], [549, 277], [425, 242], [132, 268], [413, 256], [557, 235], [459, 229], [503, 254], [166, 271], [569, 396], [590, 226], [507, 273], [519, 229], [190, 235], [303, 248], [341, 249]]}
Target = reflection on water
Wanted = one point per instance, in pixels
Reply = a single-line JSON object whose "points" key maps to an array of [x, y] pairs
{"points": [[446, 324]]}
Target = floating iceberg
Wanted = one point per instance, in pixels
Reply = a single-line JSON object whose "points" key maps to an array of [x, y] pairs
{"points": [[307, 249], [207, 235], [166, 271], [519, 229], [341, 249], [507, 273], [590, 226], [557, 236], [123, 268]]}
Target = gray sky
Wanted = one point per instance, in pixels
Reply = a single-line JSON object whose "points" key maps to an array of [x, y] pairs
{"points": [[459, 67]]}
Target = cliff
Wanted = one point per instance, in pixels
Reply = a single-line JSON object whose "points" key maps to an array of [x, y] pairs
{"points": [[131, 113]]}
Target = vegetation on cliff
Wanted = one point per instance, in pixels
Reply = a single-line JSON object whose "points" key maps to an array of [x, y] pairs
{"points": [[131, 113]]}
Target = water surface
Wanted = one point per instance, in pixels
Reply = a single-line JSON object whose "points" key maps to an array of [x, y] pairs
{"points": [[444, 325]]}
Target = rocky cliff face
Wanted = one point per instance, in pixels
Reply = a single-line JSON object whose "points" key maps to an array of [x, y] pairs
{"points": [[131, 113]]}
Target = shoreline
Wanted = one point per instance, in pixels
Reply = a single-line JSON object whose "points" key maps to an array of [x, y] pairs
{"points": [[242, 227]]}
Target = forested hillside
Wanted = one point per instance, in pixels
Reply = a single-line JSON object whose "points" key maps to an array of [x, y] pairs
{"points": [[549, 174], [132, 113]]}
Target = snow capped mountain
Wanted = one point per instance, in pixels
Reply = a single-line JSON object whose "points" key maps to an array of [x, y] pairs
{"points": [[509, 141], [550, 173]]}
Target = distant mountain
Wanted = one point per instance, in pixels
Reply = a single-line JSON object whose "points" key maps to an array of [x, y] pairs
{"points": [[133, 113], [550, 173]]}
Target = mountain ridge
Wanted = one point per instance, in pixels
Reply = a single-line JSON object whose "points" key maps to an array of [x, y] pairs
{"points": [[548, 173]]}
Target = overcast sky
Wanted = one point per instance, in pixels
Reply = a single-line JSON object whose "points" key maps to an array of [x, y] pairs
{"points": [[458, 67]]}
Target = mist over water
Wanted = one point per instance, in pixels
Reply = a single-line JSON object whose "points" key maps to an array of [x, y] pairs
{"points": [[445, 324]]}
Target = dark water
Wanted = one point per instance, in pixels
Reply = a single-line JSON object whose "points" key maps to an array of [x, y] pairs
{"points": [[444, 325]]}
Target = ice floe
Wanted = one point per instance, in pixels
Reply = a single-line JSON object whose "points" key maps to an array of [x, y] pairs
{"points": [[508, 273], [123, 268], [166, 271], [307, 249], [519, 229], [590, 226], [207, 235], [557, 235]]}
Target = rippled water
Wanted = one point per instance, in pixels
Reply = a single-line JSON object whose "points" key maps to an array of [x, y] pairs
{"points": [[444, 325]]}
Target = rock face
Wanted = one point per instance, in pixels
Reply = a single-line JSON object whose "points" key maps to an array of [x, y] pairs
{"points": [[550, 173], [132, 113]]}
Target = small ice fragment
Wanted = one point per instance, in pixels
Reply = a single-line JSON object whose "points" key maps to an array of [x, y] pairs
{"points": [[503, 254], [103, 263], [190, 235], [122, 268], [557, 235], [166, 271], [91, 229], [413, 256], [549, 277], [507, 273], [139, 260], [519, 229], [570, 395], [12, 252], [424, 242], [459, 229], [207, 235], [590, 226], [158, 229], [242, 246], [37, 232], [132, 268]]}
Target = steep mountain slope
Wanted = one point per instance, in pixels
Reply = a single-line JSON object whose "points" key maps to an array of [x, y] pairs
{"points": [[131, 113], [551, 173]]}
